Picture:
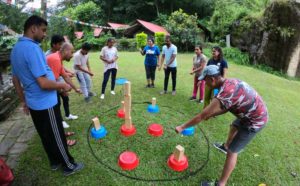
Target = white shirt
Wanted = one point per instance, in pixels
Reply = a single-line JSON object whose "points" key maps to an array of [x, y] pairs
{"points": [[109, 54], [168, 52], [80, 59]]}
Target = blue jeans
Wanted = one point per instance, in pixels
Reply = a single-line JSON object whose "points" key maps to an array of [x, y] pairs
{"points": [[85, 83]]}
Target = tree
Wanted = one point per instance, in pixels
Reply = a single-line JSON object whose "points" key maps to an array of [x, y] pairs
{"points": [[87, 12], [184, 30], [12, 17], [227, 13]]}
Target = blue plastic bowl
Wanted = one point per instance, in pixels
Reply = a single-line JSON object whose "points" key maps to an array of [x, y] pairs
{"points": [[216, 91], [153, 109], [121, 81], [98, 134], [188, 131]]}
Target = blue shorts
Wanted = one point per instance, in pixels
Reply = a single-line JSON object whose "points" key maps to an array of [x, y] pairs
{"points": [[243, 136]]}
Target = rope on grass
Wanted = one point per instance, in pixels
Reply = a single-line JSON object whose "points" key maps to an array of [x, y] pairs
{"points": [[186, 176]]}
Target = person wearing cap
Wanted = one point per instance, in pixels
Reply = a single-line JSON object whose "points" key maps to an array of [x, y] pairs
{"points": [[152, 57], [241, 100]]}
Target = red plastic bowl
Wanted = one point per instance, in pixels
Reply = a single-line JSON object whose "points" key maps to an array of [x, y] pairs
{"points": [[121, 113], [155, 129], [127, 132], [128, 160], [178, 165]]}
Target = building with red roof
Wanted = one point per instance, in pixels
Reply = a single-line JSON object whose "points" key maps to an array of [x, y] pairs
{"points": [[144, 26]]}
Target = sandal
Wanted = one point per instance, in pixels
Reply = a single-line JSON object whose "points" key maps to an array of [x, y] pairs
{"points": [[69, 134], [71, 143]]}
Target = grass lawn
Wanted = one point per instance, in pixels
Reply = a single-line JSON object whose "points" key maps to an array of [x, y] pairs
{"points": [[270, 158]]}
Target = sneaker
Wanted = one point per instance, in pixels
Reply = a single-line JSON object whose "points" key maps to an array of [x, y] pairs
{"points": [[71, 117], [78, 167], [55, 167], [148, 86], [102, 96], [87, 99], [200, 101], [173, 92], [91, 94], [220, 147], [65, 125], [163, 92], [152, 86], [113, 92], [209, 183], [192, 98]]}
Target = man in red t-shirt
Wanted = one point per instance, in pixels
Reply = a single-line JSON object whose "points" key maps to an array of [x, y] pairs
{"points": [[241, 100], [55, 62]]}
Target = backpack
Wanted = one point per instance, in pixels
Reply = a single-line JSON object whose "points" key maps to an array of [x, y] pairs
{"points": [[6, 175]]}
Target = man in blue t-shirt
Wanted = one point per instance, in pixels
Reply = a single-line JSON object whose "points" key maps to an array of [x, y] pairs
{"points": [[36, 88], [152, 57]]}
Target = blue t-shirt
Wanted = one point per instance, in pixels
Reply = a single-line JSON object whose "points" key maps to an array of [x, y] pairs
{"points": [[28, 63], [168, 52], [151, 55], [221, 64]]}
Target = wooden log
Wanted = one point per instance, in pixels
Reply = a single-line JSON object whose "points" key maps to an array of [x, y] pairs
{"points": [[179, 153], [153, 102], [128, 123], [123, 105], [127, 107], [127, 89], [96, 123]]}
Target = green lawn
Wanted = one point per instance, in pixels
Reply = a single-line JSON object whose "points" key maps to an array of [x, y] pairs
{"points": [[270, 158]]}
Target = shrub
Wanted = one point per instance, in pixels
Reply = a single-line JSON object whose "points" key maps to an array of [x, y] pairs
{"points": [[141, 40], [126, 44], [236, 55], [160, 39]]}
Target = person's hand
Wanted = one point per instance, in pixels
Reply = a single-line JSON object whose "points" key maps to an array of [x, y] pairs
{"points": [[198, 84], [78, 91], [25, 109], [179, 129], [192, 72], [66, 87], [65, 93], [91, 74], [70, 74], [165, 66]]}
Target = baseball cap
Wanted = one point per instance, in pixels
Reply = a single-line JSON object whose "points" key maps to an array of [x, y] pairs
{"points": [[209, 71]]}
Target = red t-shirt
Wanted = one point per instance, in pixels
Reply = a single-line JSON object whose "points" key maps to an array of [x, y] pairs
{"points": [[244, 102], [55, 63]]}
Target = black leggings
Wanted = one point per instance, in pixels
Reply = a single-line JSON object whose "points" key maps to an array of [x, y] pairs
{"points": [[113, 72], [173, 71], [65, 103], [150, 72]]}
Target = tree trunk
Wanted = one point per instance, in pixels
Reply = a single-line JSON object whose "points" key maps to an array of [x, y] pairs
{"points": [[156, 6]]}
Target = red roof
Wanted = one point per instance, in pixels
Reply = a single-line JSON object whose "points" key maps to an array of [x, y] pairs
{"points": [[97, 32], [79, 35], [153, 27], [117, 25]]}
